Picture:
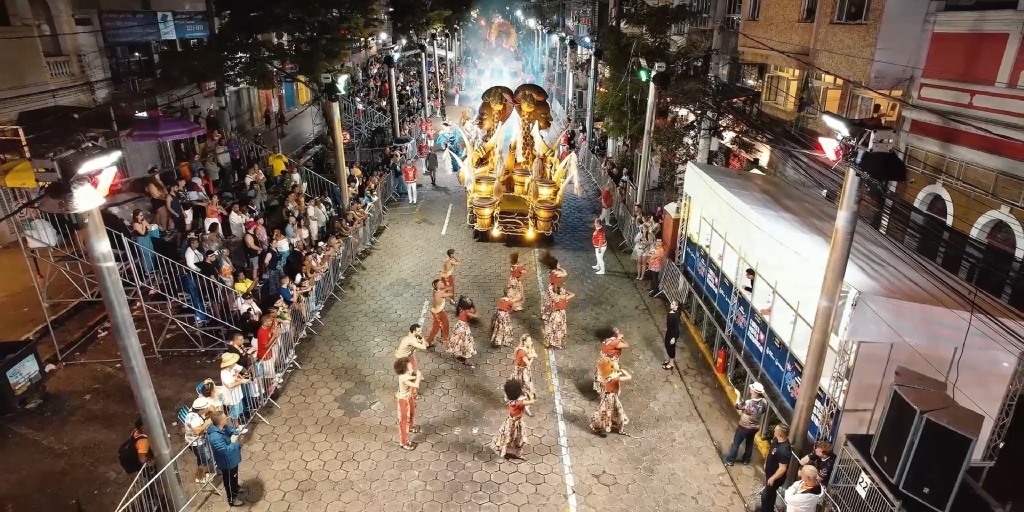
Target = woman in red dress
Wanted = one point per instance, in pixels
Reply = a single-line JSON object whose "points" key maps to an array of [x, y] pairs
{"points": [[523, 358], [514, 288], [610, 415], [511, 437], [556, 301], [461, 344], [408, 384], [501, 324], [611, 350], [556, 274]]}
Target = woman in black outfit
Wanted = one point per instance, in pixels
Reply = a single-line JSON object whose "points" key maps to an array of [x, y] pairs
{"points": [[673, 325]]}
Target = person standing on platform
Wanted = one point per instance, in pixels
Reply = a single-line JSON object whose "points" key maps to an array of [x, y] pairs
{"points": [[673, 327], [408, 385], [600, 246], [410, 174], [409, 344], [775, 466], [514, 287], [610, 415], [523, 358], [510, 439], [439, 317]]}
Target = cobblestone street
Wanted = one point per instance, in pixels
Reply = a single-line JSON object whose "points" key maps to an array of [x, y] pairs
{"points": [[333, 444]]}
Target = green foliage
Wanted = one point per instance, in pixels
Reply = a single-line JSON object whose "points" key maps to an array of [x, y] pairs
{"points": [[423, 16], [255, 37], [646, 33]]}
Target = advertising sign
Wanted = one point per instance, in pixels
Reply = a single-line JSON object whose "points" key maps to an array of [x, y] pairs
{"points": [[725, 291], [739, 321], [757, 334], [791, 390], [776, 356], [135, 27]]}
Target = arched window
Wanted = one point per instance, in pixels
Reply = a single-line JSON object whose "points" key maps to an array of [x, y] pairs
{"points": [[1001, 235], [48, 38], [937, 207]]}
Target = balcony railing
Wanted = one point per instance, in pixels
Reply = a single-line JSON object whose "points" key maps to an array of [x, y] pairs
{"points": [[61, 67]]}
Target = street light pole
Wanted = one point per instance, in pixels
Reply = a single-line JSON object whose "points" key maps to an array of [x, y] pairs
{"points": [[396, 127], [591, 93], [707, 124], [645, 153], [437, 76], [340, 167], [448, 53], [424, 81], [570, 64], [558, 64], [120, 312], [824, 315]]}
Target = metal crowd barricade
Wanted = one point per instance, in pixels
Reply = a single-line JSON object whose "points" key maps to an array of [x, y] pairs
{"points": [[267, 375]]}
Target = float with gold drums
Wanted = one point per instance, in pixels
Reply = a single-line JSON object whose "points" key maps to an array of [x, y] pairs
{"points": [[514, 180]]}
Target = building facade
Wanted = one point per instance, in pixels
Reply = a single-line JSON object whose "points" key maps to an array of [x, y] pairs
{"points": [[840, 56], [964, 145]]}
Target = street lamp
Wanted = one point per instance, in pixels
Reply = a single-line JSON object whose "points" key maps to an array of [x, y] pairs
{"points": [[334, 88], [81, 197], [383, 36], [645, 152]]}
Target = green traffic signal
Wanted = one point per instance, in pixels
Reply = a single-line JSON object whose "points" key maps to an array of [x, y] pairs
{"points": [[643, 74]]}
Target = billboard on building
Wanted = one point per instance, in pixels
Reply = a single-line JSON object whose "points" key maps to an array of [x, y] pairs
{"points": [[135, 27]]}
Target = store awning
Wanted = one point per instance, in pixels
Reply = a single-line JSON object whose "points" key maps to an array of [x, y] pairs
{"points": [[19, 174], [162, 129]]}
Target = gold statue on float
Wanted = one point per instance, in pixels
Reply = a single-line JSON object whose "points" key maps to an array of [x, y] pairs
{"points": [[501, 33]]}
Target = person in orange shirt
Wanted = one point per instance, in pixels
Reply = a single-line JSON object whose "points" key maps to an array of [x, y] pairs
{"points": [[410, 174], [606, 206], [461, 344], [523, 358], [514, 287], [554, 321], [501, 324], [511, 437], [611, 350], [408, 385], [655, 261], [610, 415], [600, 246]]}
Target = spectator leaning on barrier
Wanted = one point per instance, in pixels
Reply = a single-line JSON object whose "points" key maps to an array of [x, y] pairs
{"points": [[751, 412], [822, 459], [232, 377], [805, 494], [227, 452], [196, 423]]}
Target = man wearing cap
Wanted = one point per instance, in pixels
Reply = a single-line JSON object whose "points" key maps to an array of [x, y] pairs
{"points": [[208, 267], [232, 378], [196, 422], [227, 453], [751, 412]]}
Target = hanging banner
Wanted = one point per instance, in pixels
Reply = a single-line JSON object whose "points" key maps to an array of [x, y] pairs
{"points": [[140, 27], [776, 356]]}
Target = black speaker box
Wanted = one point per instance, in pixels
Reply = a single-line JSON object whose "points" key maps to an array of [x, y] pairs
{"points": [[910, 397], [939, 456]]}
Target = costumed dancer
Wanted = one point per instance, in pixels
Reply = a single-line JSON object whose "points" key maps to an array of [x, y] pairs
{"points": [[448, 272], [408, 345], [439, 317], [461, 344], [556, 274], [610, 415], [511, 437], [408, 384], [501, 324], [524, 356], [554, 322], [514, 288], [611, 350]]}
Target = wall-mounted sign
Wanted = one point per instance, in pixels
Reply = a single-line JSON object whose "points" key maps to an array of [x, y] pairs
{"points": [[138, 27]]}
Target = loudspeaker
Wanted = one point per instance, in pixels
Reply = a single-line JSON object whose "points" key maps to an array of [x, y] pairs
{"points": [[941, 451], [912, 394]]}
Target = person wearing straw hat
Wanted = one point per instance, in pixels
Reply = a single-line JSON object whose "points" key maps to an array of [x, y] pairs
{"points": [[196, 422], [232, 377], [751, 413]]}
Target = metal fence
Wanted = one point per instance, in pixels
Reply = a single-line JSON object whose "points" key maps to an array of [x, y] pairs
{"points": [[854, 488], [149, 490]]}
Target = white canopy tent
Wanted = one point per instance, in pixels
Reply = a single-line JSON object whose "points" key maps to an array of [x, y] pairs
{"points": [[897, 314]]}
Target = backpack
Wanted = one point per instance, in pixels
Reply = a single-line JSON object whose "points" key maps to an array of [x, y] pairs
{"points": [[128, 455]]}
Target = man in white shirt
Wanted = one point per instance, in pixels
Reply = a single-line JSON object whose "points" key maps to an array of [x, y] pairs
{"points": [[193, 255], [805, 494], [196, 422], [231, 378], [237, 220]]}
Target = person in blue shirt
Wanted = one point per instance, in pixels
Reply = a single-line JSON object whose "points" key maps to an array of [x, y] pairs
{"points": [[227, 453], [287, 295]]}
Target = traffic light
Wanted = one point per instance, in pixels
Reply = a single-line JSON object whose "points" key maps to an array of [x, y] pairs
{"points": [[643, 74]]}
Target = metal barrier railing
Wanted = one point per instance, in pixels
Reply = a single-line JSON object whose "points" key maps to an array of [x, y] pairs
{"points": [[853, 488], [148, 491]]}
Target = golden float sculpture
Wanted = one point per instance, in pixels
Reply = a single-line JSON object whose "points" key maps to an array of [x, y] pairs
{"points": [[514, 179]]}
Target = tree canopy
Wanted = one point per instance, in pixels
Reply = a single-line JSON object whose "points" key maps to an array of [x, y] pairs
{"points": [[255, 38], [422, 16], [647, 33]]}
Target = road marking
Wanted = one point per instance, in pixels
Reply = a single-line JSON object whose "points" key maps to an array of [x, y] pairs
{"points": [[563, 439], [423, 312], [447, 217]]}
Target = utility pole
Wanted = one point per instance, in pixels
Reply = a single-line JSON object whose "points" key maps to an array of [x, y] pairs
{"points": [[448, 53], [824, 314], [558, 63], [101, 255], [221, 93], [437, 76], [334, 89], [592, 90], [396, 127], [570, 65], [424, 81], [645, 152], [707, 124]]}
